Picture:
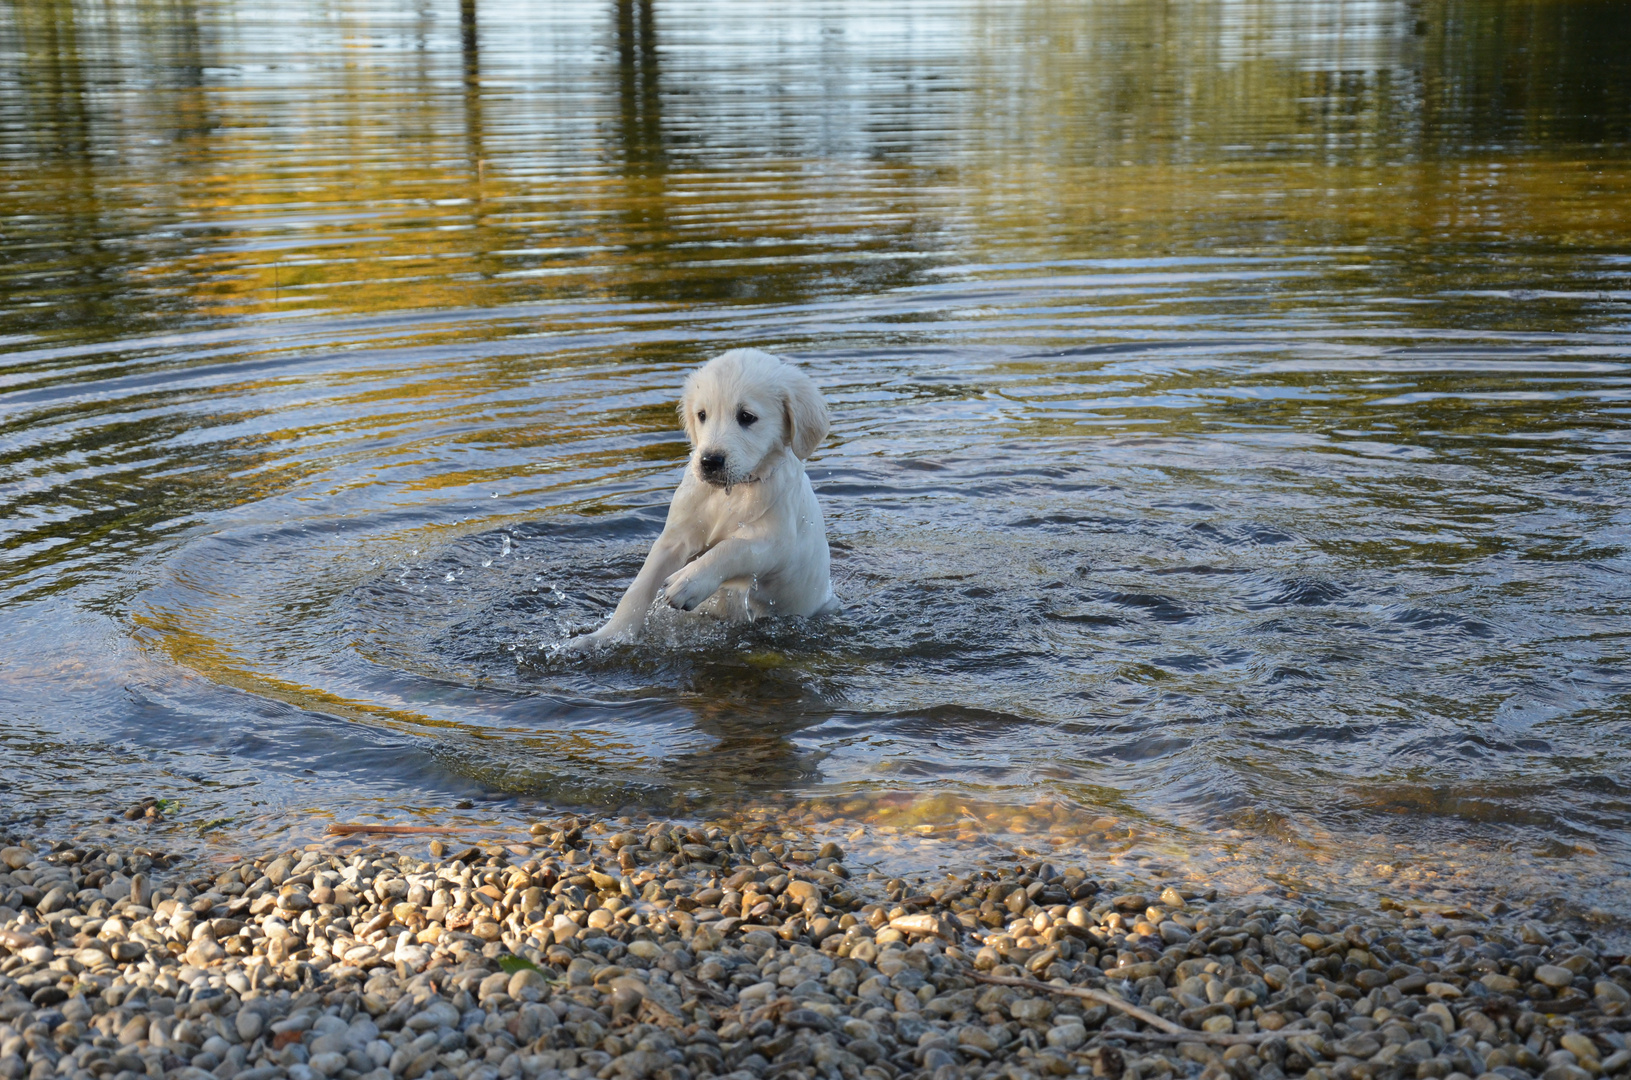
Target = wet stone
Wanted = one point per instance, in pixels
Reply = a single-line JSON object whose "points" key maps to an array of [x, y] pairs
{"points": [[1554, 976]]}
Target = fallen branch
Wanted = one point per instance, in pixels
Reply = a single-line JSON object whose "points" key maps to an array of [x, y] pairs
{"points": [[407, 830], [1168, 1031], [1189, 1035]]}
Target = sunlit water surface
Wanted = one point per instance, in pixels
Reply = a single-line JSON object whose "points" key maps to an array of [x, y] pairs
{"points": [[1229, 467]]}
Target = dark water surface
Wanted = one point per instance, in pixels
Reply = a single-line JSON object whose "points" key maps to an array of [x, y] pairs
{"points": [[1232, 419]]}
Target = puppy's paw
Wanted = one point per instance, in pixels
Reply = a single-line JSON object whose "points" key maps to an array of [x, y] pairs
{"points": [[684, 591], [581, 643], [612, 633]]}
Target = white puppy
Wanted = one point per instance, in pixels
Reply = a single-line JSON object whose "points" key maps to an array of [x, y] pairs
{"points": [[744, 533]]}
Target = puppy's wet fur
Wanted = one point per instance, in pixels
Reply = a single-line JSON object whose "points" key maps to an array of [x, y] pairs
{"points": [[744, 537]]}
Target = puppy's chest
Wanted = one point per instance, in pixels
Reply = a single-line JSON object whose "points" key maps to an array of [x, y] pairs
{"points": [[735, 526], [741, 515]]}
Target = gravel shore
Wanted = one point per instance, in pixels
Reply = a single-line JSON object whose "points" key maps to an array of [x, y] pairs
{"points": [[616, 949]]}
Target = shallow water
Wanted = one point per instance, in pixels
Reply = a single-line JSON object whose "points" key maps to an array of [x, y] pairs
{"points": [[1229, 458]]}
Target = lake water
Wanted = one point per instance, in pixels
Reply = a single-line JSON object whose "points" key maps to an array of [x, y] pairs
{"points": [[1232, 420]]}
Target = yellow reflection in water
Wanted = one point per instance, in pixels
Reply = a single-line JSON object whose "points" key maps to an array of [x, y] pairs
{"points": [[367, 160]]}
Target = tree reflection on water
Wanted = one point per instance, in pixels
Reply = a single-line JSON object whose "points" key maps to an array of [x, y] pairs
{"points": [[170, 161]]}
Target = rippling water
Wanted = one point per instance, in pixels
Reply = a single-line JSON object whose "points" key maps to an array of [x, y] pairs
{"points": [[1231, 419]]}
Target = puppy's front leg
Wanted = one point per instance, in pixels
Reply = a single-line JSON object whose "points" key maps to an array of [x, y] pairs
{"points": [[667, 555], [703, 576]]}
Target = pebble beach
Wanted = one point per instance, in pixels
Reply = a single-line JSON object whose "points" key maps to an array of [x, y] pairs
{"points": [[628, 949]]}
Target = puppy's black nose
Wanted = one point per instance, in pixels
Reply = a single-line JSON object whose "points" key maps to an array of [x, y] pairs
{"points": [[712, 462]]}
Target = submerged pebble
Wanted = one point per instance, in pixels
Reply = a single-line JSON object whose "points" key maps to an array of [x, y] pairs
{"points": [[674, 951]]}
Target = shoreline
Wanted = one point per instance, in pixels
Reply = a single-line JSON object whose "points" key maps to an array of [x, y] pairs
{"points": [[911, 832], [616, 949]]}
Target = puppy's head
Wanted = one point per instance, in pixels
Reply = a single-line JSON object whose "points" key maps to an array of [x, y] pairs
{"points": [[741, 408]]}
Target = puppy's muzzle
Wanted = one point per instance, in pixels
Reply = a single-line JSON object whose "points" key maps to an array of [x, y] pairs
{"points": [[712, 464]]}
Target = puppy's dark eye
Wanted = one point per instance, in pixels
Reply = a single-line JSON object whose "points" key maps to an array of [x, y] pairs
{"points": [[745, 418], [702, 416]]}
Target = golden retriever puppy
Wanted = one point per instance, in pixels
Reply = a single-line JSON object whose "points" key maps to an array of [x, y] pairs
{"points": [[744, 536]]}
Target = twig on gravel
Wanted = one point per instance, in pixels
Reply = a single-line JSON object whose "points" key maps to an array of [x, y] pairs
{"points": [[1168, 1031], [408, 830]]}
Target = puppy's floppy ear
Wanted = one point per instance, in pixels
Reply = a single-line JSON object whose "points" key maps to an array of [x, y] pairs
{"points": [[803, 411], [688, 415]]}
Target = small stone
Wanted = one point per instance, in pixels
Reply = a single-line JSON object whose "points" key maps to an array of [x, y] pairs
{"points": [[1610, 992], [1030, 1010], [531, 1021], [415, 1068], [1443, 990], [916, 924], [1067, 1036], [438, 1014], [128, 952], [1501, 984], [1172, 898], [1135, 972], [979, 1038], [1130, 902], [16, 940], [1440, 1012], [1580, 1046], [755, 994], [248, 1023], [294, 899], [328, 1064], [859, 1029], [1534, 934], [624, 999], [1554, 976], [91, 957], [648, 951], [807, 1018], [1220, 1025], [525, 979]]}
